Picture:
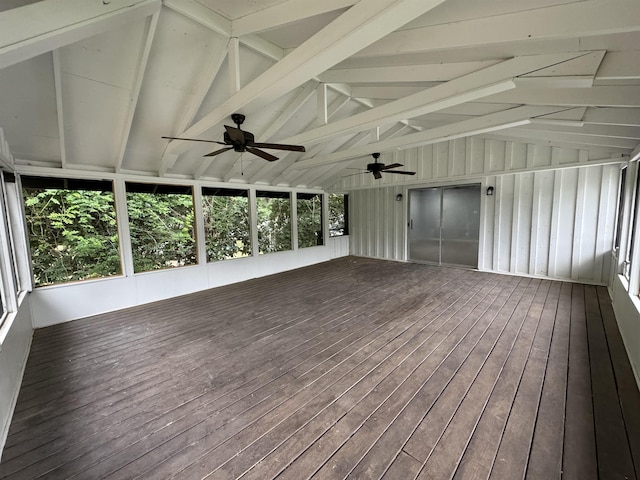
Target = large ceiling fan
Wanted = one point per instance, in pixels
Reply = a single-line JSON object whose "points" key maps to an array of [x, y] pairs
{"points": [[242, 141], [377, 168]]}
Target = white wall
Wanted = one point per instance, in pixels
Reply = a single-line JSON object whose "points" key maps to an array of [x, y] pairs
{"points": [[627, 310], [556, 224], [61, 303], [13, 358], [467, 159], [545, 223]]}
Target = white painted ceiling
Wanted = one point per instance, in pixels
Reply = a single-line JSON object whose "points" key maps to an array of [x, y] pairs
{"points": [[92, 85]]}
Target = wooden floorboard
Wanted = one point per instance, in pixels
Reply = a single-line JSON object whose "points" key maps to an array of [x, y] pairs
{"points": [[354, 368]]}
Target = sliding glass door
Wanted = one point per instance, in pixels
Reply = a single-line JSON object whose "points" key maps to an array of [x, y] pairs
{"points": [[444, 225]]}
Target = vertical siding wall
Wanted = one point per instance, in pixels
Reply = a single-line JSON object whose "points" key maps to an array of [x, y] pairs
{"points": [[547, 223], [13, 359]]}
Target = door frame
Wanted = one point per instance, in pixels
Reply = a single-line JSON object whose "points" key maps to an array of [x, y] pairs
{"points": [[483, 183]]}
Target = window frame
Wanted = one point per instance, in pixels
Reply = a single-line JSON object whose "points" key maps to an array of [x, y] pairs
{"points": [[213, 191], [15, 271], [161, 188], [617, 241], [275, 194], [300, 196], [70, 183], [345, 201], [631, 232]]}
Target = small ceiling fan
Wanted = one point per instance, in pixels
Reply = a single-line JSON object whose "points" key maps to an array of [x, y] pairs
{"points": [[377, 168], [242, 141]]}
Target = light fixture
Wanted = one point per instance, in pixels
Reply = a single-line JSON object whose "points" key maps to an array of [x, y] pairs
{"points": [[399, 197], [489, 190]]}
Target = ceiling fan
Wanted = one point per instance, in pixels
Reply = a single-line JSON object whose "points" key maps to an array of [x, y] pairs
{"points": [[242, 141], [377, 168]]}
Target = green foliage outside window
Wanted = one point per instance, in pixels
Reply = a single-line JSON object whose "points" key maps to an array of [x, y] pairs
{"points": [[161, 230], [338, 215], [274, 222], [73, 231], [227, 226], [309, 209], [72, 234]]}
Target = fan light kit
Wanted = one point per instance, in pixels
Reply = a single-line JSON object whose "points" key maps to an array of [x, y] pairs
{"points": [[240, 140]]}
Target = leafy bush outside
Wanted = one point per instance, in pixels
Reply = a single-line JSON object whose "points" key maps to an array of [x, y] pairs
{"points": [[72, 234], [337, 215], [227, 226], [161, 230], [274, 224], [309, 210]]}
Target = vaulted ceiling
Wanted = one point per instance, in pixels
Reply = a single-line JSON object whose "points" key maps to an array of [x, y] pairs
{"points": [[93, 85]]}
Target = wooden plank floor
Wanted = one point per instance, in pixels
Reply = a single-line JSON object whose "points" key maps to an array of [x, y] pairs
{"points": [[354, 368]]}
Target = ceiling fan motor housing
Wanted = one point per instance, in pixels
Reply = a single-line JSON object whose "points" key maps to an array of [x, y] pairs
{"points": [[249, 139], [237, 118]]}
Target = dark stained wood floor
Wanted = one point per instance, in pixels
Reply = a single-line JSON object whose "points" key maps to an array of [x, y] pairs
{"points": [[354, 368]]}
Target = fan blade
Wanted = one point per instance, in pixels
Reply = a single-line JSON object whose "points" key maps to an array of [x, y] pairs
{"points": [[236, 134], [261, 154], [217, 152], [401, 172], [377, 175], [280, 146], [393, 165], [194, 140]]}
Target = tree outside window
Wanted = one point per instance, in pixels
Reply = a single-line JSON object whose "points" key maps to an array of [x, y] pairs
{"points": [[227, 223], [338, 214], [309, 209], [71, 228], [274, 221], [161, 219]]}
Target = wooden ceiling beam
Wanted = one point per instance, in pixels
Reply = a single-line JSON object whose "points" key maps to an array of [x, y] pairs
{"points": [[573, 20], [288, 158], [57, 81], [439, 72], [359, 139], [474, 86], [361, 25], [615, 153], [607, 96], [613, 116], [151, 26], [488, 123], [42, 27], [283, 13], [580, 140], [613, 131], [620, 66], [222, 26]]}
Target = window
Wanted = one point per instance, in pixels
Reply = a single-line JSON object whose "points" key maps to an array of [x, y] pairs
{"points": [[17, 234], [226, 223], [71, 225], [338, 214], [309, 208], [623, 179], [9, 178], [161, 226], [274, 221], [10, 231], [636, 205]]}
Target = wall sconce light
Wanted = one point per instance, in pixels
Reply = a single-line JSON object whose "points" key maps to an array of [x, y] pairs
{"points": [[399, 197], [489, 190]]}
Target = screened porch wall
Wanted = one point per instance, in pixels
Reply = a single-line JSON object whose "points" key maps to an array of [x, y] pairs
{"points": [[546, 223], [13, 358]]}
